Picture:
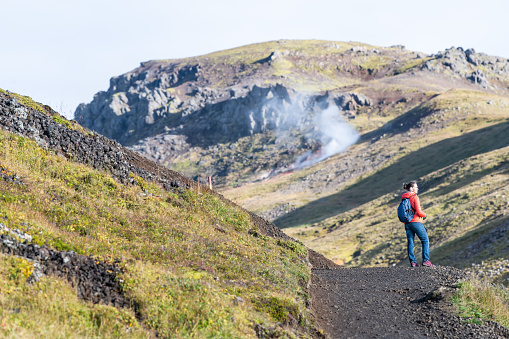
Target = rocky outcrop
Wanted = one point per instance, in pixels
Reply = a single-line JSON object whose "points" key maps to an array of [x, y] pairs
{"points": [[349, 102], [95, 280], [470, 65], [135, 101], [207, 116]]}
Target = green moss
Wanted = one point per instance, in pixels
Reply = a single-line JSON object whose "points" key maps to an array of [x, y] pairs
{"points": [[414, 63], [294, 246], [62, 121], [279, 309], [25, 100], [478, 301]]}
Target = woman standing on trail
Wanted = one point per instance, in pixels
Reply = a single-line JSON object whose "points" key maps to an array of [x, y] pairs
{"points": [[415, 226]]}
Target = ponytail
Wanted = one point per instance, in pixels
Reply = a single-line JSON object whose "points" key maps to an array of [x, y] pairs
{"points": [[407, 186]]}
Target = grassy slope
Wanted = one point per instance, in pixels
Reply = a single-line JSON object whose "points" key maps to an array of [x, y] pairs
{"points": [[185, 257], [465, 196]]}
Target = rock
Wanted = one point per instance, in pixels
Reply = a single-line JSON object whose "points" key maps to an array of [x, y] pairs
{"points": [[479, 78], [466, 64], [37, 273], [91, 149], [472, 57], [437, 294], [94, 280], [350, 101], [275, 55], [8, 176]]}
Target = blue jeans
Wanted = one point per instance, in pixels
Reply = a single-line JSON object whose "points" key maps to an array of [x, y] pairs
{"points": [[413, 228]]}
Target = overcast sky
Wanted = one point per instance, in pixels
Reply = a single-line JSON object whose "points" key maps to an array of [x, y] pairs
{"points": [[62, 52]]}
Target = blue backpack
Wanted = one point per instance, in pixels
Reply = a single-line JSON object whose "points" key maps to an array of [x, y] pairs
{"points": [[405, 212]]}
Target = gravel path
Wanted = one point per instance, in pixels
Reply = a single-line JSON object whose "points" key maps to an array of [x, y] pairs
{"points": [[392, 302]]}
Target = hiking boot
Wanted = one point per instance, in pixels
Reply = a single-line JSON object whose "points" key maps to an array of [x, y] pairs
{"points": [[428, 264], [414, 264]]}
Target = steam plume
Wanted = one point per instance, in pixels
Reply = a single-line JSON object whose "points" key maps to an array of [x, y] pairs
{"points": [[335, 136]]}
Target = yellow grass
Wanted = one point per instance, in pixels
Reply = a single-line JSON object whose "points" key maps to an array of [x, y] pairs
{"points": [[478, 300]]}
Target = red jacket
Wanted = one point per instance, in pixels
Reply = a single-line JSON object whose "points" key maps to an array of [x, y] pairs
{"points": [[416, 206]]}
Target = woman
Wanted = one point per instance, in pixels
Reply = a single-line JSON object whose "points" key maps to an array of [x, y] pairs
{"points": [[415, 226]]}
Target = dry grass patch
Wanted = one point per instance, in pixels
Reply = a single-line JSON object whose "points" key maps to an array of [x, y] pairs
{"points": [[479, 300]]}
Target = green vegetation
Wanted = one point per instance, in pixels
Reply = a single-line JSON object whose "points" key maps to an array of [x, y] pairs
{"points": [[243, 160], [478, 300], [62, 121], [412, 64], [25, 100], [188, 258], [282, 67], [279, 309]]}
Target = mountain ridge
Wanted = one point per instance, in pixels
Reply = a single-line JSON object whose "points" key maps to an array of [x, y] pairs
{"points": [[244, 92]]}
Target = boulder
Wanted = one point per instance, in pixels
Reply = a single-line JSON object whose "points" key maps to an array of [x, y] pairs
{"points": [[479, 78]]}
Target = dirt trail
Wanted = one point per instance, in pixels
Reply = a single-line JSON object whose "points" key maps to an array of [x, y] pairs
{"points": [[392, 302]]}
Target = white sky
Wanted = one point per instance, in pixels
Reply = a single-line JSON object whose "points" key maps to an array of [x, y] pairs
{"points": [[62, 52]]}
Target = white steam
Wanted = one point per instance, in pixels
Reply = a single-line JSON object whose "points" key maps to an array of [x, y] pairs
{"points": [[317, 119], [335, 133], [335, 136]]}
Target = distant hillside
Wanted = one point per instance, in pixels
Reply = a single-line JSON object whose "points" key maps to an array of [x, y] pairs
{"points": [[252, 118], [243, 114]]}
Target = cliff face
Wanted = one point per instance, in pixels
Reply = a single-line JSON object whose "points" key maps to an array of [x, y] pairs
{"points": [[242, 114]]}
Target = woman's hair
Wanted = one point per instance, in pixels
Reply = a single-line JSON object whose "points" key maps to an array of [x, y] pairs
{"points": [[408, 185]]}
